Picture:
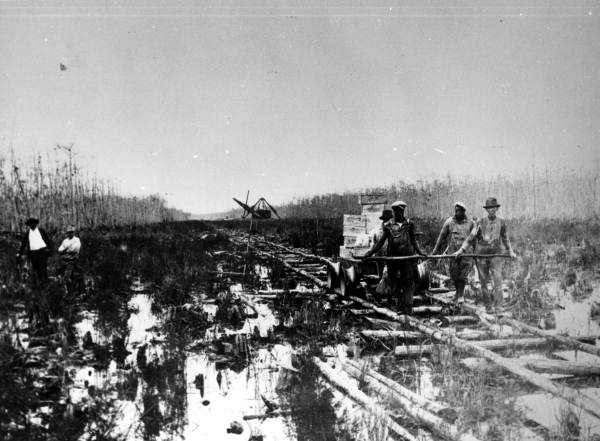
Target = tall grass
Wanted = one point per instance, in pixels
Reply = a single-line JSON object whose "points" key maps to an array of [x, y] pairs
{"points": [[61, 193], [550, 193]]}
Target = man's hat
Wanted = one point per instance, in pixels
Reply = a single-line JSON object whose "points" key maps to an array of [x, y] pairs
{"points": [[399, 204], [460, 204], [386, 215], [70, 229], [32, 221], [491, 203]]}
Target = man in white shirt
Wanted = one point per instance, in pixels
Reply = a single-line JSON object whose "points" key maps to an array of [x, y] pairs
{"points": [[69, 252], [36, 244]]}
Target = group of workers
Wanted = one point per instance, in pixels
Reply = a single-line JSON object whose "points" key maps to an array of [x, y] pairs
{"points": [[37, 246], [459, 234]]}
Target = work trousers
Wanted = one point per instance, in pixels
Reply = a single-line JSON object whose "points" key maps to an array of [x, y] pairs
{"points": [[459, 273], [39, 262], [460, 269], [403, 276], [490, 270], [67, 267]]}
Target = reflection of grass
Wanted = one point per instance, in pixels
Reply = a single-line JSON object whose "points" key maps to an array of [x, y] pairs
{"points": [[312, 318], [312, 413], [173, 258], [484, 402], [567, 427]]}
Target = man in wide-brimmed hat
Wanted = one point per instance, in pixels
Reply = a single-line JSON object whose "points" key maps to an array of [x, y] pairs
{"points": [[489, 236], [399, 232], [374, 236], [455, 231], [36, 244]]}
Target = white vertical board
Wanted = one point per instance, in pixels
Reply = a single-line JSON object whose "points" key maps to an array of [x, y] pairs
{"points": [[354, 224], [372, 212]]}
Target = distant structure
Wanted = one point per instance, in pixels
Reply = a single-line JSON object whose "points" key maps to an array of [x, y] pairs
{"points": [[260, 210]]}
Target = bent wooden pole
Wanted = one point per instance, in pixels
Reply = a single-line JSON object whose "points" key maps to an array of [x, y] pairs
{"points": [[350, 389], [578, 399], [411, 405]]}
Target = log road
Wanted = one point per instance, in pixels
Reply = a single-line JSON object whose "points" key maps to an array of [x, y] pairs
{"points": [[320, 270]]}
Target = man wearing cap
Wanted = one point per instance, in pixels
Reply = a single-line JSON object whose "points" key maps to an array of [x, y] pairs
{"points": [[36, 244], [488, 236], [400, 235], [69, 252], [455, 231]]}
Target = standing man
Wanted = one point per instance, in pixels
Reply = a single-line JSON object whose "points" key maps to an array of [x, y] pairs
{"points": [[455, 231], [400, 235], [376, 233], [69, 252], [489, 236], [37, 246]]}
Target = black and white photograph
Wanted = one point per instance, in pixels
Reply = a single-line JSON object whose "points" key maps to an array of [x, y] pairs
{"points": [[299, 220]]}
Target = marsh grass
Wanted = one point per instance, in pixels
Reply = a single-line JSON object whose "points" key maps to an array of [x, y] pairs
{"points": [[483, 401], [172, 259], [313, 416]]}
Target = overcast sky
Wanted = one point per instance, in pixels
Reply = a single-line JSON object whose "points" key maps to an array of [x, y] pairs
{"points": [[200, 103]]}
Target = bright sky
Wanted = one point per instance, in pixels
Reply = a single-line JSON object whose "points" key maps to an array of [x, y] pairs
{"points": [[200, 103]]}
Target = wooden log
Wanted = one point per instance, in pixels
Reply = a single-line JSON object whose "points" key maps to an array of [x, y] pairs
{"points": [[430, 405], [262, 416], [361, 311], [414, 350], [472, 334], [349, 388], [487, 344], [483, 365], [412, 404], [586, 338], [312, 278], [487, 319], [577, 356], [440, 298], [304, 265], [544, 365], [264, 296], [301, 253], [427, 309], [380, 333], [384, 324], [227, 273], [448, 320], [585, 402], [571, 342]]}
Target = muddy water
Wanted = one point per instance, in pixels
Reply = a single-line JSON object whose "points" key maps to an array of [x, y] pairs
{"points": [[574, 316], [164, 389], [201, 409], [169, 389]]}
